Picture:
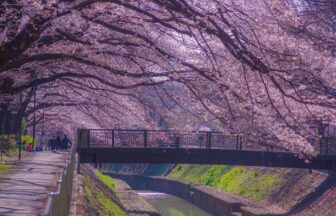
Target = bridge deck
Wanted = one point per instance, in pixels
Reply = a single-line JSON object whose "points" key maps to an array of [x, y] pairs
{"points": [[144, 146], [203, 156]]}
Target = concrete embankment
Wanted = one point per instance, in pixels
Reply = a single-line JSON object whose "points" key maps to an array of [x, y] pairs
{"points": [[210, 199], [99, 197]]}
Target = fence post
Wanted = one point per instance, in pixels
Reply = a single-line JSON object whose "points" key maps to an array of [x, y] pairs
{"points": [[327, 146], [207, 144], [224, 140], [241, 142], [79, 139], [88, 138], [145, 138], [177, 142], [237, 142], [112, 138], [209, 139]]}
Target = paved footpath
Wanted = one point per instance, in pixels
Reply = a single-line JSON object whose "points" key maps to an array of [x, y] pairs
{"points": [[25, 192]]}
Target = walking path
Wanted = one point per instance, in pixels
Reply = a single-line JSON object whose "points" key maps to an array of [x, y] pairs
{"points": [[25, 191]]}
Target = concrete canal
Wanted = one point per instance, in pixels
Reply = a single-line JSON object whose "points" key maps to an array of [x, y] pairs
{"points": [[169, 205]]}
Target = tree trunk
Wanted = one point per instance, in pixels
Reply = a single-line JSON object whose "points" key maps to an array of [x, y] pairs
{"points": [[21, 111]]}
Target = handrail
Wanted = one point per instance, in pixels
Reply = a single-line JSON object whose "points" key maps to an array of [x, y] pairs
{"points": [[148, 138], [150, 130], [63, 191], [136, 138]]}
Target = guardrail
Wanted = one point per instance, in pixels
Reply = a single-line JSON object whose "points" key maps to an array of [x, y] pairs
{"points": [[128, 138], [328, 146], [58, 203], [124, 138]]}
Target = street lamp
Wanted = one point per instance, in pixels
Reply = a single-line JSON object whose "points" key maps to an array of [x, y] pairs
{"points": [[20, 130]]}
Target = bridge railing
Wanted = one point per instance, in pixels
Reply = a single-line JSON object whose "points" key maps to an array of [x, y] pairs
{"points": [[119, 138], [328, 146], [116, 138]]}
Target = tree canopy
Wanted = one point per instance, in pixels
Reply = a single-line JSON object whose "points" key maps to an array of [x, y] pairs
{"points": [[264, 69]]}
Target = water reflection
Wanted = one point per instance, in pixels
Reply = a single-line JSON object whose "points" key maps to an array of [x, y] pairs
{"points": [[169, 205]]}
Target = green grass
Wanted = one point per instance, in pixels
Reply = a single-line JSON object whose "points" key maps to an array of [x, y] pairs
{"points": [[88, 192], [191, 173], [237, 180], [107, 180], [104, 205], [4, 167], [109, 206]]}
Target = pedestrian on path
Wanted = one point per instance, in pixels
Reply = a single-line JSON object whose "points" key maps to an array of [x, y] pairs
{"points": [[65, 142], [58, 142]]}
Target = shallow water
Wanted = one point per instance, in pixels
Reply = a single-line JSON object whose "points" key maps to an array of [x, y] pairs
{"points": [[169, 205]]}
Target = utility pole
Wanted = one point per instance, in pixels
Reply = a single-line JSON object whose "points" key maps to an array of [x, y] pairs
{"points": [[34, 119], [43, 122], [43, 138]]}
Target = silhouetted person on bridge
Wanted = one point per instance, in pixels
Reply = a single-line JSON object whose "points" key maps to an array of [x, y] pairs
{"points": [[65, 142]]}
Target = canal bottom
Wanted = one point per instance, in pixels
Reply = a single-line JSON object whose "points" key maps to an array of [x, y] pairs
{"points": [[168, 205]]}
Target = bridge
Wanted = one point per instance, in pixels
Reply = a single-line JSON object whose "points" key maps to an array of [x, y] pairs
{"points": [[162, 146]]}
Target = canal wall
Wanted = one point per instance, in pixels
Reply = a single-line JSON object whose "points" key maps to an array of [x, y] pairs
{"points": [[209, 199], [96, 197]]}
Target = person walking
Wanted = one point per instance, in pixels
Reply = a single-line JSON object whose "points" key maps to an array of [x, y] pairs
{"points": [[58, 142], [65, 142], [50, 145]]}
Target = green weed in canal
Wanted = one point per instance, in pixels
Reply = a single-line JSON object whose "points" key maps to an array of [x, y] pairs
{"points": [[109, 206], [237, 180], [100, 203], [107, 180]]}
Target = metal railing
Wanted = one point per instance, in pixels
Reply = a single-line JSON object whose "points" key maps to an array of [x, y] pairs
{"points": [[58, 203], [120, 138], [328, 146]]}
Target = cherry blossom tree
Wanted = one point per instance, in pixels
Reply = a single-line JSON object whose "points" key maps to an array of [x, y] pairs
{"points": [[262, 69]]}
